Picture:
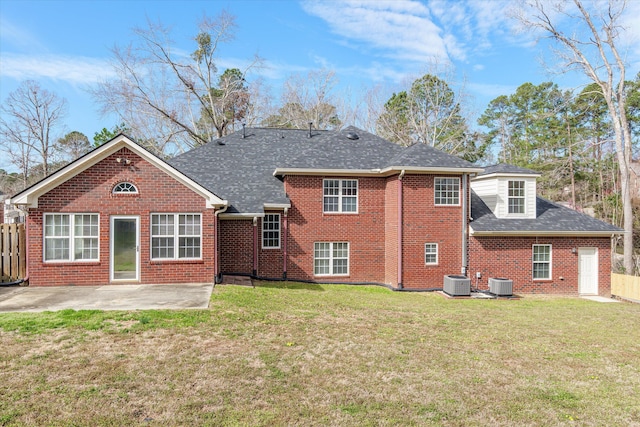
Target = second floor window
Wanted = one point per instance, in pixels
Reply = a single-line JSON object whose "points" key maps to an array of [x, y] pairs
{"points": [[447, 191], [516, 197], [340, 195]]}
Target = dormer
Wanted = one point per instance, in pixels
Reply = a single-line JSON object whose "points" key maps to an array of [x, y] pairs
{"points": [[509, 191]]}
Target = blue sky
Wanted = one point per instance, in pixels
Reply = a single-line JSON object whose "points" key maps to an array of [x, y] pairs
{"points": [[65, 45]]}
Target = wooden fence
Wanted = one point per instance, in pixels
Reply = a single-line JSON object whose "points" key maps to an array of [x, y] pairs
{"points": [[625, 286], [13, 253]]}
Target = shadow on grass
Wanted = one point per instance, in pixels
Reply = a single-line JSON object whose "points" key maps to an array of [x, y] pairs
{"points": [[290, 285]]}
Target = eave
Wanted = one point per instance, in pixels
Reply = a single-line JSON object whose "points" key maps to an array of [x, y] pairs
{"points": [[541, 233], [388, 171]]}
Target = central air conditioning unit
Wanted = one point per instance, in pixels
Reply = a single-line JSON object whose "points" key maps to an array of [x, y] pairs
{"points": [[500, 286], [457, 285]]}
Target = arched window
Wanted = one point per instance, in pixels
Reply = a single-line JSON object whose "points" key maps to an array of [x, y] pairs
{"points": [[125, 188]]}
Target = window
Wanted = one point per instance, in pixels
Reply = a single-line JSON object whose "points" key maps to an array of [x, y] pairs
{"points": [[431, 253], [271, 231], [542, 261], [71, 237], [340, 195], [125, 188], [516, 197], [447, 191], [176, 236], [331, 259]]}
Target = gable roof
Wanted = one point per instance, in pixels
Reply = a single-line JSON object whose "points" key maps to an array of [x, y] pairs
{"points": [[551, 219], [247, 166], [30, 195]]}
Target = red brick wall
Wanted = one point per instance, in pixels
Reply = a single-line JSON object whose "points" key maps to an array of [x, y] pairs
{"points": [[511, 258], [365, 231], [391, 231], [426, 223], [373, 232], [236, 246], [91, 192]]}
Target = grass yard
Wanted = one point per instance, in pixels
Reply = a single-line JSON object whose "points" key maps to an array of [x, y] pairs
{"points": [[297, 354]]}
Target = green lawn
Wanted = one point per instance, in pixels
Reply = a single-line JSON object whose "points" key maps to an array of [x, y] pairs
{"points": [[294, 354]]}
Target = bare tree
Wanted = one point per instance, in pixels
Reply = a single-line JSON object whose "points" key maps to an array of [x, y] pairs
{"points": [[171, 100], [30, 117], [595, 52], [308, 99]]}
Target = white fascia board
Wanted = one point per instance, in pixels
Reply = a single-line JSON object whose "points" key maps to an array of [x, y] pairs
{"points": [[277, 206], [477, 233], [241, 215], [506, 175], [325, 172], [379, 172], [29, 196], [392, 170]]}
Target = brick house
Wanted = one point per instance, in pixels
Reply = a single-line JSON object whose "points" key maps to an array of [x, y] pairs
{"points": [[324, 206]]}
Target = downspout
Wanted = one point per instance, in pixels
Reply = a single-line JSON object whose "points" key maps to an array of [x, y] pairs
{"points": [[400, 285], [216, 244], [255, 246], [285, 230], [465, 226]]}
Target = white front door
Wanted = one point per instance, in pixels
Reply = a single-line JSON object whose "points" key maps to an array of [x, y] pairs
{"points": [[588, 271]]}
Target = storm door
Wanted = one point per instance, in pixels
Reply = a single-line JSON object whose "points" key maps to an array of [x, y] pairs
{"points": [[125, 245]]}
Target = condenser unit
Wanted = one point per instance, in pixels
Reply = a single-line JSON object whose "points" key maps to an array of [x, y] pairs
{"points": [[457, 285], [500, 286]]}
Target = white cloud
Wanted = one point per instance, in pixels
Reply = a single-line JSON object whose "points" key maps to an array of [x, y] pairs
{"points": [[398, 29], [76, 70]]}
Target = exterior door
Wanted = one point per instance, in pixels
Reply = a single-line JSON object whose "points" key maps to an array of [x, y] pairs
{"points": [[125, 259], [588, 271]]}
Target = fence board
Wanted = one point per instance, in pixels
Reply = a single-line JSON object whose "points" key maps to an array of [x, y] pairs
{"points": [[12, 252], [625, 286]]}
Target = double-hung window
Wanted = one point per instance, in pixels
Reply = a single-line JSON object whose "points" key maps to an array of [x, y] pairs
{"points": [[516, 197], [542, 261], [176, 236], [431, 253], [271, 231], [447, 191], [331, 259], [340, 195], [71, 237]]}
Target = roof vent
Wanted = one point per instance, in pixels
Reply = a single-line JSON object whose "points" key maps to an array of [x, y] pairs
{"points": [[219, 142], [310, 126], [352, 136]]}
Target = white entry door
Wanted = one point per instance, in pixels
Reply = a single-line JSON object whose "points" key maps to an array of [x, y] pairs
{"points": [[588, 271]]}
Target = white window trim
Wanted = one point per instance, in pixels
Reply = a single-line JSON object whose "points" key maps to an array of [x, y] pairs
{"points": [[435, 194], [265, 231], [523, 198], [132, 185], [176, 237], [71, 238], [331, 260], [431, 253], [533, 262], [340, 197]]}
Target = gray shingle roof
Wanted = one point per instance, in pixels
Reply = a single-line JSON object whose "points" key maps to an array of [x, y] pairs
{"points": [[509, 169], [551, 218], [241, 170]]}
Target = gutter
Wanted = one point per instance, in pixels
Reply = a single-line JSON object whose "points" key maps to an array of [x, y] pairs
{"points": [[465, 225], [216, 257], [285, 231], [255, 245], [400, 243]]}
